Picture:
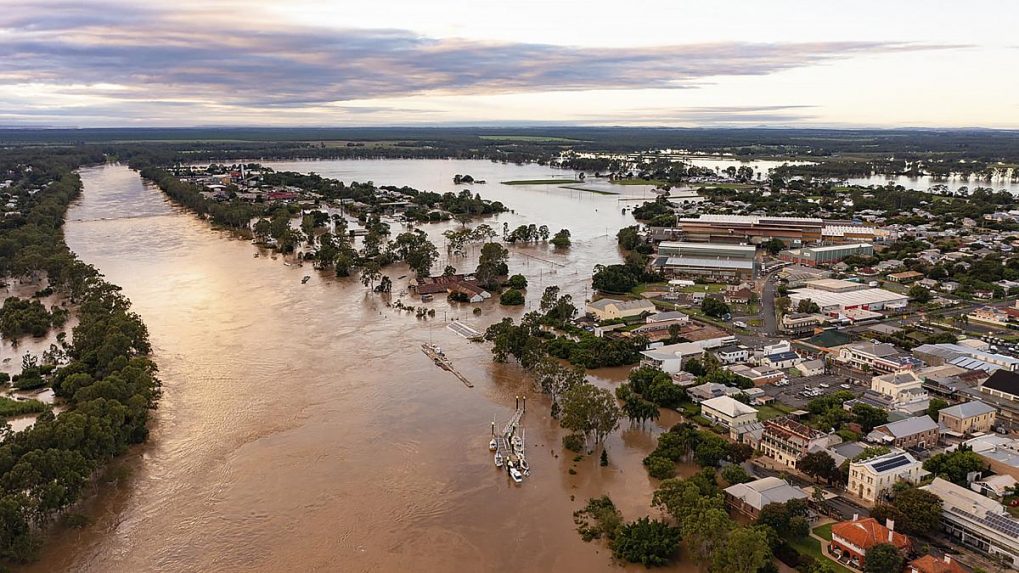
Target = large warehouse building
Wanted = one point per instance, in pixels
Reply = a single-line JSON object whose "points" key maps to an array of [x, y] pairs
{"points": [[745, 229], [716, 262], [834, 296], [821, 256], [793, 231]]}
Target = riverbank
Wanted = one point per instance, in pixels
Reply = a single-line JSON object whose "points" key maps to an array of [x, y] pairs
{"points": [[106, 381]]}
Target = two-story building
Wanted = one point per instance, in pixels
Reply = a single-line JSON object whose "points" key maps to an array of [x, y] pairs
{"points": [[872, 478], [920, 432], [787, 440], [850, 540], [896, 384], [968, 417], [728, 412]]}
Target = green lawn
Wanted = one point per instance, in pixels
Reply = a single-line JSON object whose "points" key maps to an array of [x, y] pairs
{"points": [[644, 287], [824, 531], [812, 547], [773, 410], [639, 181]]}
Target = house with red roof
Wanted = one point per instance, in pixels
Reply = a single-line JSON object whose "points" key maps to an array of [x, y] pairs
{"points": [[850, 540], [931, 564]]}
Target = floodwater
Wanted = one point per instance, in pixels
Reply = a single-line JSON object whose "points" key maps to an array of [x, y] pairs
{"points": [[302, 428]]}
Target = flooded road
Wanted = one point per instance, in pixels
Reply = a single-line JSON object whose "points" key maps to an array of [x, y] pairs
{"points": [[302, 429]]}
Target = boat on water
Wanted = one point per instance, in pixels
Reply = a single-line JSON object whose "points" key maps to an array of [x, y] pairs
{"points": [[516, 475], [523, 465], [305, 279], [517, 442], [498, 460], [256, 255], [492, 446], [286, 264]]}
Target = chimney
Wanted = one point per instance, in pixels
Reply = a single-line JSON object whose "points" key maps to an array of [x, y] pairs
{"points": [[856, 517], [890, 524]]}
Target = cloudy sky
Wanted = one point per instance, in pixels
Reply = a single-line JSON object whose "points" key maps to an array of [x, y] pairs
{"points": [[887, 63]]}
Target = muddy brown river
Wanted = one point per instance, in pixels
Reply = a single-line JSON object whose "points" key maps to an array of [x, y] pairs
{"points": [[301, 427]]}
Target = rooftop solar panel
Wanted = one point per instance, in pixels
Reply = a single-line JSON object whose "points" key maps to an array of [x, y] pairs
{"points": [[896, 462]]}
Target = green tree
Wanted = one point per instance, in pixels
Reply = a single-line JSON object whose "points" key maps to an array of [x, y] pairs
{"points": [[868, 416], [517, 281], [590, 410], [919, 294], [935, 406], [651, 543], [955, 466], [745, 550], [882, 558], [920, 510], [511, 297], [819, 465], [734, 474], [561, 240], [714, 307], [492, 264]]}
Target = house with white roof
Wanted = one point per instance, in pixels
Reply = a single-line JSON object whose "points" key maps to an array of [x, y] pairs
{"points": [[728, 412], [749, 498]]}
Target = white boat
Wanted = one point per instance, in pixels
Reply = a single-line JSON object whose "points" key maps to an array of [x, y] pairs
{"points": [[517, 442], [498, 460], [516, 475], [305, 279], [492, 446], [523, 465]]}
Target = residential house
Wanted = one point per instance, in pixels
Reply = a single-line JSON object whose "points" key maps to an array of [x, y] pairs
{"points": [[749, 498], [711, 390], [787, 440], [872, 478], [976, 521], [728, 412], [671, 357], [811, 367], [920, 432], [610, 308], [968, 417], [931, 564], [850, 540], [905, 277], [739, 296]]}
